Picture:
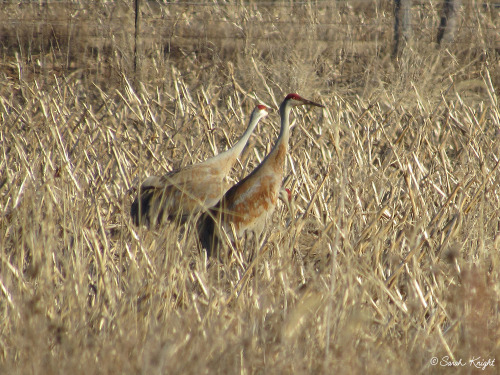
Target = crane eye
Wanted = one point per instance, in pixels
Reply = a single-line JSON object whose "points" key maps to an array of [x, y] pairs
{"points": [[293, 96]]}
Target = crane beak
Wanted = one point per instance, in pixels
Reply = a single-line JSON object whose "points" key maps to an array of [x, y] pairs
{"points": [[309, 102], [302, 101]]}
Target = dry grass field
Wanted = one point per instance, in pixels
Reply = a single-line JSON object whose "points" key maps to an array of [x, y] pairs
{"points": [[388, 257]]}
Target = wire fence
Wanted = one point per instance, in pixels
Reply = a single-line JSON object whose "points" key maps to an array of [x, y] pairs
{"points": [[275, 3], [379, 29], [163, 20]]}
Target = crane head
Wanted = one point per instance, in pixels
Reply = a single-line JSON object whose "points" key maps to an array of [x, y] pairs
{"points": [[285, 195], [260, 111], [295, 100]]}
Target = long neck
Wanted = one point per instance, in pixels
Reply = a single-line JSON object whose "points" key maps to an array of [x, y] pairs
{"points": [[285, 110], [278, 154], [238, 146], [229, 156]]}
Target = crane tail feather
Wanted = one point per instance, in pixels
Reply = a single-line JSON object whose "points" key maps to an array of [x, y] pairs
{"points": [[207, 234], [141, 207]]}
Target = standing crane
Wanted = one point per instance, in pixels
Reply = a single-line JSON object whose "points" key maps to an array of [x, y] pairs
{"points": [[188, 190], [249, 203]]}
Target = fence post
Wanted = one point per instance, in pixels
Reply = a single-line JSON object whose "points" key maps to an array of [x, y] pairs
{"points": [[137, 42], [448, 24], [402, 25]]}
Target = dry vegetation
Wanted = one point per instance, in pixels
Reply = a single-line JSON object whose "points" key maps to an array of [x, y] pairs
{"points": [[389, 257]]}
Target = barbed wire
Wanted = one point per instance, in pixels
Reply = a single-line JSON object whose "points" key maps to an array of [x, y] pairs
{"points": [[385, 23], [281, 3], [312, 2], [418, 28], [209, 38]]}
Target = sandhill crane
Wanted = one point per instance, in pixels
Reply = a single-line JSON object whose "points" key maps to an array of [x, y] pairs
{"points": [[248, 204], [186, 191]]}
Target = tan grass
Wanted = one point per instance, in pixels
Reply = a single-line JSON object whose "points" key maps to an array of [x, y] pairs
{"points": [[390, 253]]}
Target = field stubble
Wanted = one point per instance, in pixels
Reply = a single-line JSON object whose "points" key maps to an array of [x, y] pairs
{"points": [[388, 257]]}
